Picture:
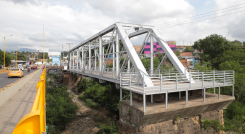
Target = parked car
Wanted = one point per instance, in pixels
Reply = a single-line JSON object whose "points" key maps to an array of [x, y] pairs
{"points": [[34, 67], [15, 72]]}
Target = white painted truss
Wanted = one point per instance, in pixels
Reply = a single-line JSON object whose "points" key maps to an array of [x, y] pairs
{"points": [[110, 52]]}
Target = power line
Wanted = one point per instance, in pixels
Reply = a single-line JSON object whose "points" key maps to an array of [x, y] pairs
{"points": [[201, 15], [202, 19]]}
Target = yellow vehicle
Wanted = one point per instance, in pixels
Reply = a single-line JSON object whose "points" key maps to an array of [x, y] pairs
{"points": [[17, 72]]}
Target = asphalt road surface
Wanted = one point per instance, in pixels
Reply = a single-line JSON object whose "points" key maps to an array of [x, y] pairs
{"points": [[4, 80]]}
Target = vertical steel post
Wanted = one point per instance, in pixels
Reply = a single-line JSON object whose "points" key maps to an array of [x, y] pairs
{"points": [[219, 93], [131, 98], [186, 96], [100, 54], [144, 105], [95, 59], [233, 85], [176, 81], [179, 94], [198, 74], [103, 57], [224, 77], [169, 74], [151, 98], [113, 62], [78, 58], [143, 83], [204, 94], [70, 62], [166, 99], [190, 79], [130, 81], [89, 55], [202, 80], [82, 58], [128, 65], [214, 80], [152, 58], [73, 61], [117, 54], [161, 82]]}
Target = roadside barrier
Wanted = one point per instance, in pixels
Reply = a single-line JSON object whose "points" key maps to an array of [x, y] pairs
{"points": [[35, 121]]}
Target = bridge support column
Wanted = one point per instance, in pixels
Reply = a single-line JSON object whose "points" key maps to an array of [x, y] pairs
{"points": [[117, 54], [219, 93], [89, 56], [144, 103], [131, 98], [166, 99], [179, 95], [100, 54], [152, 58], [151, 98], [204, 93], [120, 94], [186, 97]]}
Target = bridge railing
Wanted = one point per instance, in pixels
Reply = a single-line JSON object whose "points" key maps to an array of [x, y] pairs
{"points": [[35, 121], [171, 80]]}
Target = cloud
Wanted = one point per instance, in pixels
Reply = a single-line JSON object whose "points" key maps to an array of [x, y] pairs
{"points": [[74, 21]]}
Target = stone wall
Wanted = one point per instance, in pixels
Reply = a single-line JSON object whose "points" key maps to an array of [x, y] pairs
{"points": [[186, 125]]}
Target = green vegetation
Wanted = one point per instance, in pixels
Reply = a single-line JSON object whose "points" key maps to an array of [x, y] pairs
{"points": [[189, 49], [212, 47], [215, 124], [8, 58], [97, 95], [219, 53], [109, 128], [59, 110]]}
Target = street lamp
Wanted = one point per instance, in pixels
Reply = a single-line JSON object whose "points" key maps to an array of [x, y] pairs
{"points": [[4, 53], [16, 56]]}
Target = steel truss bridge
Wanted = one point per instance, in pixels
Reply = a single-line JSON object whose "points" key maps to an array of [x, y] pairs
{"points": [[110, 56]]}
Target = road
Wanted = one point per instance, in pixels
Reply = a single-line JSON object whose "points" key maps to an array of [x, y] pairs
{"points": [[4, 80]]}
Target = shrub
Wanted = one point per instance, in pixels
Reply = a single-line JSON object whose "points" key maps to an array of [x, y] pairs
{"points": [[110, 128], [101, 95], [59, 108]]}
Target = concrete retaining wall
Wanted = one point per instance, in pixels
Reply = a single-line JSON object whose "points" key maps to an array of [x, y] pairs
{"points": [[8, 92]]}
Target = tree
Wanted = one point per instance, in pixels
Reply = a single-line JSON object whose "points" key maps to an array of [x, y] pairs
{"points": [[21, 56], [212, 47], [188, 49]]}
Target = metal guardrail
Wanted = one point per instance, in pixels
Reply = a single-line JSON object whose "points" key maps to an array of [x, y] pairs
{"points": [[170, 79], [35, 121]]}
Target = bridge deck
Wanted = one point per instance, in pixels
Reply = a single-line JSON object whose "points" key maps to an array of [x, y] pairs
{"points": [[18, 106]]}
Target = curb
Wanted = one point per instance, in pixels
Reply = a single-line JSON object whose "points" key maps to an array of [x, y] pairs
{"points": [[7, 92]]}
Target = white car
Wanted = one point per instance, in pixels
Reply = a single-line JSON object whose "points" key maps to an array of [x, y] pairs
{"points": [[20, 66]]}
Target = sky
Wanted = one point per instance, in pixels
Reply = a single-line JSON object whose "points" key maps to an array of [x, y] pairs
{"points": [[74, 21]]}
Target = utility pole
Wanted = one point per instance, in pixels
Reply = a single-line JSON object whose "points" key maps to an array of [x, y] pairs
{"points": [[69, 45], [4, 54], [16, 56]]}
